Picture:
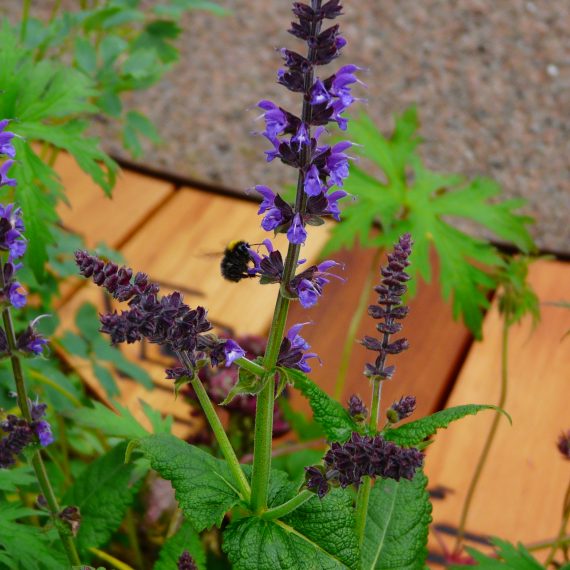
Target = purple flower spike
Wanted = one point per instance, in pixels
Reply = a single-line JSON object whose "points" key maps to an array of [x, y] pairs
{"points": [[357, 409], [308, 285], [6, 146], [313, 185], [186, 562], [5, 180], [12, 231], [401, 409], [232, 351], [297, 233]]}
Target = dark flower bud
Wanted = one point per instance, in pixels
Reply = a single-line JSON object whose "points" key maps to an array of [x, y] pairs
{"points": [[72, 518], [316, 481], [401, 409], [186, 562], [564, 444], [357, 409]]}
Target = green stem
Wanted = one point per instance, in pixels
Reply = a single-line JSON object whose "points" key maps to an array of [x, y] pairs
{"points": [[37, 462], [288, 507], [353, 327], [219, 432], [560, 538], [564, 541], [134, 540], [117, 564], [489, 441], [25, 18], [251, 366], [55, 10], [363, 496], [262, 443]]}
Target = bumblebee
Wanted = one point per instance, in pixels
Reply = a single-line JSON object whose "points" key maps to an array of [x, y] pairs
{"points": [[234, 264]]}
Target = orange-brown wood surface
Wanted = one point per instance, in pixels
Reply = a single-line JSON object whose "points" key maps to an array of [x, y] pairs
{"points": [[521, 490]]}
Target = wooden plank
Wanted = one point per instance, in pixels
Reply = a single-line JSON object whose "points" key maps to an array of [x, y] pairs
{"points": [[176, 247], [437, 342], [521, 490], [98, 218]]}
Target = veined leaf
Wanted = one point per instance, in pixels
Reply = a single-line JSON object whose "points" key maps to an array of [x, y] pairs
{"points": [[509, 556], [408, 197], [396, 532], [103, 492], [319, 534], [335, 420], [185, 539], [204, 486], [413, 433]]}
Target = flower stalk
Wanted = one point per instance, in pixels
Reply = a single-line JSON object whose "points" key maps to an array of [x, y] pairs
{"points": [[23, 403]]}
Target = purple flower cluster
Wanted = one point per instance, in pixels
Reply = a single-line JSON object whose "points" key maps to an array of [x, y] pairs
{"points": [[20, 433], [307, 286], [293, 350], [356, 408], [219, 382], [13, 242], [389, 310], [347, 463], [186, 562], [165, 320], [401, 409], [563, 444]]}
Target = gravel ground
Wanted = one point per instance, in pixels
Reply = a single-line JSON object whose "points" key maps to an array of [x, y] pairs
{"points": [[491, 80]]}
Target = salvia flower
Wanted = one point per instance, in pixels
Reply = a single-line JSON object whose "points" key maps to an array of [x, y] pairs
{"points": [[357, 409], [269, 267], [308, 285], [348, 463], [165, 320], [71, 516], [401, 409], [5, 180], [186, 562], [6, 137], [389, 310], [293, 351], [291, 137], [12, 237], [563, 444], [30, 341]]}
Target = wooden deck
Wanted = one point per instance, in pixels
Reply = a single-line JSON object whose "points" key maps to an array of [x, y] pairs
{"points": [[170, 232]]}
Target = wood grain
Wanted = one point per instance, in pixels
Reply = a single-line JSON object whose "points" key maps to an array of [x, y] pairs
{"points": [[521, 489]]}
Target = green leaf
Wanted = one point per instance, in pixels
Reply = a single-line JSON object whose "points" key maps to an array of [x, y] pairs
{"points": [[12, 480], [121, 424], [140, 63], [158, 423], [247, 383], [104, 351], [106, 379], [510, 556], [74, 344], [407, 197], [87, 321], [103, 492], [319, 534], [204, 486], [85, 55], [397, 522], [414, 433], [26, 546], [185, 539], [335, 420]]}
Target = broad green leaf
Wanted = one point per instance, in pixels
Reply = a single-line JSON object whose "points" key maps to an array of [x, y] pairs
{"points": [[103, 492], [408, 197], [158, 423], [185, 539], [396, 531], [74, 344], [335, 420], [121, 424], [508, 556], [413, 433], [204, 486], [87, 321], [85, 55], [319, 534]]}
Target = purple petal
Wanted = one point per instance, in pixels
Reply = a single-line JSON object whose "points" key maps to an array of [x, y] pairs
{"points": [[233, 351], [297, 233]]}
